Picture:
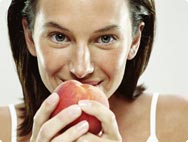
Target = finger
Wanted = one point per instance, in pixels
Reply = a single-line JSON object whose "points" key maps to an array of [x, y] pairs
{"points": [[104, 114], [58, 122], [43, 114], [88, 137], [73, 133]]}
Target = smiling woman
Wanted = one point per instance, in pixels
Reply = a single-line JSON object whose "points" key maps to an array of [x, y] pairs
{"points": [[106, 44]]}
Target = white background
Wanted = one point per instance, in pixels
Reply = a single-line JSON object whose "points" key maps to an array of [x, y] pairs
{"points": [[168, 68]]}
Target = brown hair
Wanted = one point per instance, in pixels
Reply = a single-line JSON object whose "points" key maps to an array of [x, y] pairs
{"points": [[34, 91], [140, 10]]}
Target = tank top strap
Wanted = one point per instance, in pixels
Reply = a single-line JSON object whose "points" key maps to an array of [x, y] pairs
{"points": [[13, 122], [153, 109]]}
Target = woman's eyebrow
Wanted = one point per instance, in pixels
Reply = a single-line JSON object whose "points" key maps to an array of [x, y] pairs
{"points": [[104, 29], [55, 25], [108, 28]]}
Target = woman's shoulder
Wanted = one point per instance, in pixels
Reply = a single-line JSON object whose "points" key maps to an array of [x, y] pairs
{"points": [[173, 102], [4, 115], [174, 105], [5, 120], [172, 117], [5, 125], [169, 105]]}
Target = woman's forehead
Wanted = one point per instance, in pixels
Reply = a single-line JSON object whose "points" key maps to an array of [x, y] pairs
{"points": [[103, 12], [82, 6]]}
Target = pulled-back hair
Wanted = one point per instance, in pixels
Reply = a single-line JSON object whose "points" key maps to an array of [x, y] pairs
{"points": [[140, 11], [34, 91]]}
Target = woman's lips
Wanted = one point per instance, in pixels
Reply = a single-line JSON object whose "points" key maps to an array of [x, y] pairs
{"points": [[90, 82], [93, 83]]}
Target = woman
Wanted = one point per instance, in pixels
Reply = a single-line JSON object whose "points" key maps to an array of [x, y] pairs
{"points": [[102, 43]]}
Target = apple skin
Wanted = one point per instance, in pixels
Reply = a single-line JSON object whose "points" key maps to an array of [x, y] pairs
{"points": [[71, 92]]}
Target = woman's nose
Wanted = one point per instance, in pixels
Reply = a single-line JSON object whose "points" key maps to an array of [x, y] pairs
{"points": [[80, 64]]}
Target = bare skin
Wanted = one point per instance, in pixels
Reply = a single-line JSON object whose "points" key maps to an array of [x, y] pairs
{"points": [[65, 50], [133, 119]]}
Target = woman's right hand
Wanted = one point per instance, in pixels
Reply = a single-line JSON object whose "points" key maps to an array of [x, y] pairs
{"points": [[46, 129]]}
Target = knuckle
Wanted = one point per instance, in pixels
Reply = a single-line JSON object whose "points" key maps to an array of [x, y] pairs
{"points": [[120, 138], [43, 133], [36, 120], [46, 106], [112, 117], [81, 139], [31, 139]]}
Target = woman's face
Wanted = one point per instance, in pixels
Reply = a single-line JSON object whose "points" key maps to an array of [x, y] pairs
{"points": [[86, 40]]}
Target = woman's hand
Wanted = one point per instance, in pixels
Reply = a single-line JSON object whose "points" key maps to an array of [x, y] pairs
{"points": [[110, 132], [46, 129]]}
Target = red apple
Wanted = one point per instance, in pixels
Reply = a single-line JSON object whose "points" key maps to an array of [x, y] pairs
{"points": [[70, 92]]}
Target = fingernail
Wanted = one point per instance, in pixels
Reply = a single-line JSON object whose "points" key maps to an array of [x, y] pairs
{"points": [[82, 126], [52, 98], [84, 103]]}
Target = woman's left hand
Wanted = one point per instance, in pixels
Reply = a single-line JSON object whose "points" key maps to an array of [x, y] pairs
{"points": [[110, 130]]}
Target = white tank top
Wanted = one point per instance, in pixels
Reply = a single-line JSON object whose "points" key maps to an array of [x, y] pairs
{"points": [[13, 123], [153, 109], [152, 137]]}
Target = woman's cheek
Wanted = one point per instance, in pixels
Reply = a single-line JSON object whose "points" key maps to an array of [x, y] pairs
{"points": [[115, 68], [50, 63], [119, 58]]}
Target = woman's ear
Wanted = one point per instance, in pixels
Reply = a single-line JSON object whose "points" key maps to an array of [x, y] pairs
{"points": [[136, 42], [28, 37]]}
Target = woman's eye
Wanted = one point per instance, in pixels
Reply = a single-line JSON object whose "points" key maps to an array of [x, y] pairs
{"points": [[58, 37], [106, 39]]}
